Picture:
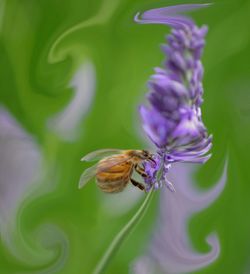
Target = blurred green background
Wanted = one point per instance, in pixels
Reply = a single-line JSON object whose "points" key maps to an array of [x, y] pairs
{"points": [[44, 46]]}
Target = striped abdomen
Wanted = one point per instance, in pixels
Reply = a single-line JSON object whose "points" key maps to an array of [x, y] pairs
{"points": [[113, 178]]}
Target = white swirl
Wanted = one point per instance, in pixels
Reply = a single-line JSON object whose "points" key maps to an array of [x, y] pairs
{"points": [[20, 165], [170, 249], [66, 123]]}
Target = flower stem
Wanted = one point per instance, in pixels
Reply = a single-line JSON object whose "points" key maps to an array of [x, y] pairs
{"points": [[121, 236]]}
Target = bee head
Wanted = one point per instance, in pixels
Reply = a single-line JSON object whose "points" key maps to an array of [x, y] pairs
{"points": [[145, 155]]}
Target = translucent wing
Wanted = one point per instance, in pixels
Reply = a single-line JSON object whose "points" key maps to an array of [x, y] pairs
{"points": [[110, 162], [91, 172], [87, 175], [99, 154]]}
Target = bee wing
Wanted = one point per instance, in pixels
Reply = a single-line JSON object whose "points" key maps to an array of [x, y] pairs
{"points": [[87, 175], [91, 172], [99, 154], [109, 163]]}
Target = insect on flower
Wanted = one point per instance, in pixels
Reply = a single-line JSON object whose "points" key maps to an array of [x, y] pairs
{"points": [[172, 119], [115, 167]]}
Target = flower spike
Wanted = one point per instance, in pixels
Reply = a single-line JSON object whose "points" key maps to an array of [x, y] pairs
{"points": [[172, 120]]}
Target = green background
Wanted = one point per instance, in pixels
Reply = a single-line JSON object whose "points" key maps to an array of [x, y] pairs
{"points": [[42, 44]]}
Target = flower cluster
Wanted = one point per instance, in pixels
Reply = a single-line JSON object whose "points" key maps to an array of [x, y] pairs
{"points": [[173, 118]]}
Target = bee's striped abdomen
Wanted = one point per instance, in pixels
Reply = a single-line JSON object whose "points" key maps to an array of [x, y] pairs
{"points": [[115, 178]]}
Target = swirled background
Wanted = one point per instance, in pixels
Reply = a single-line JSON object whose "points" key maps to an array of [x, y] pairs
{"points": [[72, 74]]}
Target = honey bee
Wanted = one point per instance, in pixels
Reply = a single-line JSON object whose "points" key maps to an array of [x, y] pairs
{"points": [[114, 169]]}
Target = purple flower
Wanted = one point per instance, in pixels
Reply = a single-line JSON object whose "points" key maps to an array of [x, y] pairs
{"points": [[173, 120]]}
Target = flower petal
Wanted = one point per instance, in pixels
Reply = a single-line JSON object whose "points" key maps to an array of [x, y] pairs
{"points": [[168, 15]]}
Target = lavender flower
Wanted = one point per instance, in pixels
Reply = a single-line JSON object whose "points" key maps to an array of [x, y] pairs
{"points": [[173, 119]]}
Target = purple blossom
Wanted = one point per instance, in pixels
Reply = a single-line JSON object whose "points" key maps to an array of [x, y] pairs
{"points": [[173, 120]]}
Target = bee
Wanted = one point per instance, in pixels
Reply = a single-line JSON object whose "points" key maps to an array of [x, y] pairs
{"points": [[114, 169]]}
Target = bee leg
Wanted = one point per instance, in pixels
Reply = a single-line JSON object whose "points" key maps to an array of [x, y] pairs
{"points": [[137, 184], [141, 171]]}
